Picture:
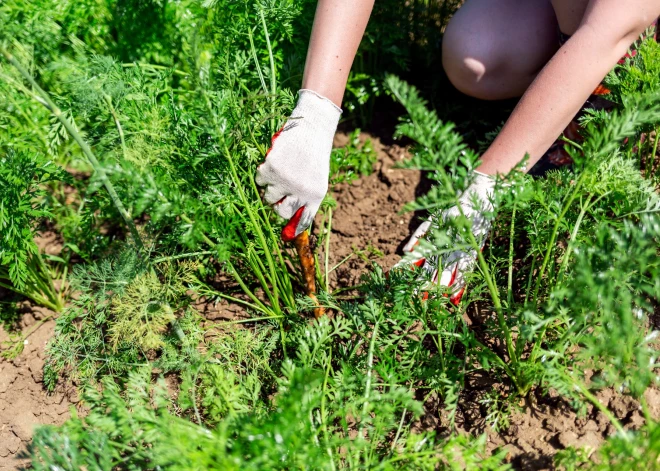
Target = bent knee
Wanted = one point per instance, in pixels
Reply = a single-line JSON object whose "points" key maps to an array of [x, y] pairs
{"points": [[468, 75], [482, 71], [471, 73]]}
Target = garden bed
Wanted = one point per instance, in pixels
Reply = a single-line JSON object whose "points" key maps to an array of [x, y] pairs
{"points": [[368, 228], [24, 402], [182, 332]]}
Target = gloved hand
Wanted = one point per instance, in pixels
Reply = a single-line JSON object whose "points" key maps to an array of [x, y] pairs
{"points": [[456, 264], [297, 165]]}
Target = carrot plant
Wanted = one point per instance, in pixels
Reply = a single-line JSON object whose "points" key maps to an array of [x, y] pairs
{"points": [[183, 160], [572, 259], [164, 158], [160, 113], [22, 266], [326, 407]]}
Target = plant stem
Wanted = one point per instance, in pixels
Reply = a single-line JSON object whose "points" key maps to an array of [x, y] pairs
{"points": [[274, 238], [256, 226], [398, 430], [186, 219], [253, 50], [555, 232], [344, 260], [203, 291], [155, 67], [40, 288], [529, 279], [245, 289], [654, 154], [370, 364], [43, 277], [493, 356], [231, 269], [509, 296], [327, 250], [182, 255], [234, 273], [245, 321], [367, 385], [36, 297], [324, 425], [437, 340], [273, 81], [194, 397], [71, 129], [259, 270], [571, 242], [115, 117]]}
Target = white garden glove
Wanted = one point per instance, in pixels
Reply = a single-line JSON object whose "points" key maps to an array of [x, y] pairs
{"points": [[297, 165], [455, 265]]}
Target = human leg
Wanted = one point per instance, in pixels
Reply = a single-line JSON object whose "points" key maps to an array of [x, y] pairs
{"points": [[493, 49]]}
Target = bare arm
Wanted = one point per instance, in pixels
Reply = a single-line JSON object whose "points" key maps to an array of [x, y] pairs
{"points": [[556, 95], [338, 29]]}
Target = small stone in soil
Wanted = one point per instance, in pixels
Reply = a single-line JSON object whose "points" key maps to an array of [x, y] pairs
{"points": [[567, 438], [9, 443], [591, 426], [636, 421], [590, 440]]}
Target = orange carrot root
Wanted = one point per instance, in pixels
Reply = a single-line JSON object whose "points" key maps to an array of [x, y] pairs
{"points": [[308, 269]]}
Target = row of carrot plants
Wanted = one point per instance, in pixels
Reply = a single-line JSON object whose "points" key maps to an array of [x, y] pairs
{"points": [[140, 150]]}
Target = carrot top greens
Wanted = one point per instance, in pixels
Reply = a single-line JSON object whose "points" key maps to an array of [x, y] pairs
{"points": [[133, 129]]}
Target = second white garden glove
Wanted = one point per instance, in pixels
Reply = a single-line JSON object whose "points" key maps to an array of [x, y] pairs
{"points": [[450, 268], [297, 165]]}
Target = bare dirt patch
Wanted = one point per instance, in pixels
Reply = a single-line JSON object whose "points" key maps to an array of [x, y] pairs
{"points": [[24, 401], [545, 424], [367, 224]]}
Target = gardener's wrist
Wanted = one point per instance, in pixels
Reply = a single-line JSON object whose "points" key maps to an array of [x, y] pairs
{"points": [[484, 181], [328, 89], [314, 106], [481, 188]]}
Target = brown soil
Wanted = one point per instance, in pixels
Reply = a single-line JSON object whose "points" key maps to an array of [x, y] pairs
{"points": [[367, 224], [24, 402], [367, 227], [541, 427]]}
